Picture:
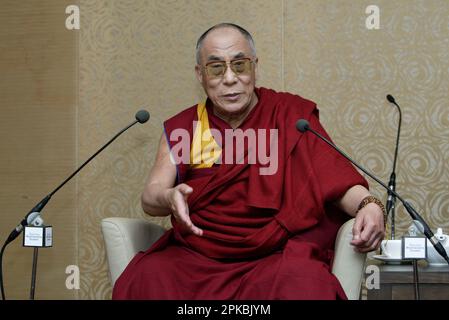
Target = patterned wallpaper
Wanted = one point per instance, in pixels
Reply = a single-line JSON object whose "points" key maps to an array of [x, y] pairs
{"points": [[135, 54], [38, 92]]}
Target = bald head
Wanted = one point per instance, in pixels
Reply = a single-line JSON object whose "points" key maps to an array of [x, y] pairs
{"points": [[202, 38]]}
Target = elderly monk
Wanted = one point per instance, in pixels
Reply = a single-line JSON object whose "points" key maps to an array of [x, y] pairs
{"points": [[255, 219]]}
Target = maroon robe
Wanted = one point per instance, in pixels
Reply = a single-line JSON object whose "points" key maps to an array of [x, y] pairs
{"points": [[265, 236]]}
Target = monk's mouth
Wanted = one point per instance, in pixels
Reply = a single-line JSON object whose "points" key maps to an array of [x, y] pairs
{"points": [[231, 96]]}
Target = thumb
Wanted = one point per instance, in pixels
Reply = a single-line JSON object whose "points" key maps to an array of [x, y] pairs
{"points": [[357, 229], [185, 189]]}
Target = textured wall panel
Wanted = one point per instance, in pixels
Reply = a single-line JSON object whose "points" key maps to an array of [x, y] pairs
{"points": [[38, 67], [333, 59], [141, 53]]}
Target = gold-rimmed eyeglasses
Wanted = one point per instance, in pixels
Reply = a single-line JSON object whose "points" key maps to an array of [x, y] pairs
{"points": [[217, 69]]}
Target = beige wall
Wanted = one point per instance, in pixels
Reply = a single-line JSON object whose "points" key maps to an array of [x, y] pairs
{"points": [[38, 91], [135, 54]]}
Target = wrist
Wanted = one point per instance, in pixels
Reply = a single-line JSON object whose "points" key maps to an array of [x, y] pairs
{"points": [[371, 199]]}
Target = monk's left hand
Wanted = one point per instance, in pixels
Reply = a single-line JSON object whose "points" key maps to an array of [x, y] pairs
{"points": [[369, 230]]}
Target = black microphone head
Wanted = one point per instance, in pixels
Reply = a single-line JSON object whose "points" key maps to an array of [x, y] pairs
{"points": [[302, 125], [390, 98], [142, 116]]}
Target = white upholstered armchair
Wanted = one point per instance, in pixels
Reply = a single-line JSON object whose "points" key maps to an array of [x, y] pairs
{"points": [[124, 237]]}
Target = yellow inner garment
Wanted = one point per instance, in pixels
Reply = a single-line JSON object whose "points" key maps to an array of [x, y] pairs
{"points": [[204, 151]]}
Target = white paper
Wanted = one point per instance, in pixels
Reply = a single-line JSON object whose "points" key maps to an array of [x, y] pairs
{"points": [[33, 236], [414, 248]]}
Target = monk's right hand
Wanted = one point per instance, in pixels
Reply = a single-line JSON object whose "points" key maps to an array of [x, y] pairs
{"points": [[177, 200]]}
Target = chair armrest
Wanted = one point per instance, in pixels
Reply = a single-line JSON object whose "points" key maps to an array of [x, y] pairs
{"points": [[348, 264], [124, 237]]}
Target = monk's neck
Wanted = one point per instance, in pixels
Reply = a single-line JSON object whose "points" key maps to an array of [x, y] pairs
{"points": [[235, 120]]}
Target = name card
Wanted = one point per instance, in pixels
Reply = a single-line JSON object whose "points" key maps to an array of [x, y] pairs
{"points": [[41, 236], [414, 248]]}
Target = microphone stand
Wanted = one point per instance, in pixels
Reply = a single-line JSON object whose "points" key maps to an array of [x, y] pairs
{"points": [[33, 273], [391, 201], [412, 232], [303, 126], [416, 279], [33, 217]]}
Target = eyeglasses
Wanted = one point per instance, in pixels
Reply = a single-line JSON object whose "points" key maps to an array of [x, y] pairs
{"points": [[217, 69]]}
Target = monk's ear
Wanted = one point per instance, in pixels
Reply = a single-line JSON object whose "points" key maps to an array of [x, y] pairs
{"points": [[256, 67], [198, 73]]}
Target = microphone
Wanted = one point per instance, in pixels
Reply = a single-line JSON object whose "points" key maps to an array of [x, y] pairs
{"points": [[391, 200], [141, 116], [303, 126], [390, 98]]}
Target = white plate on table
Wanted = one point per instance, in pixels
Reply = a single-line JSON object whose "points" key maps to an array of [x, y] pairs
{"points": [[389, 259]]}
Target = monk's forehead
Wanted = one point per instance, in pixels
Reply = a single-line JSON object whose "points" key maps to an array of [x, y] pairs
{"points": [[225, 41]]}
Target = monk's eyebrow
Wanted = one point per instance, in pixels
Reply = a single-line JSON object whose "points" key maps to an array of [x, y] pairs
{"points": [[214, 58], [217, 58], [239, 55]]}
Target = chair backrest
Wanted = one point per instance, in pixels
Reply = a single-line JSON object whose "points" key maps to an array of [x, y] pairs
{"points": [[348, 265], [124, 237]]}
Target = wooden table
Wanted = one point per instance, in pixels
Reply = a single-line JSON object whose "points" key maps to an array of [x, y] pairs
{"points": [[397, 282]]}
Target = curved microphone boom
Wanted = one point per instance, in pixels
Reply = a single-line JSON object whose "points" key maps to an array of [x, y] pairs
{"points": [[391, 200], [303, 126], [141, 116]]}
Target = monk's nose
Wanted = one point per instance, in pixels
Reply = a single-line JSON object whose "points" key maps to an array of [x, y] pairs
{"points": [[229, 77]]}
